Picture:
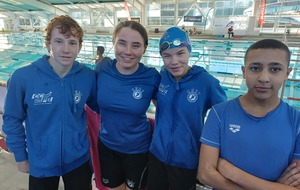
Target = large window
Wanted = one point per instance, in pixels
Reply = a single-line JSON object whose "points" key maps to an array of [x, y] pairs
{"points": [[279, 16], [164, 13]]}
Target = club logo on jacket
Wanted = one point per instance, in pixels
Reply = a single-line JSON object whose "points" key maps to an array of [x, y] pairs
{"points": [[192, 95], [163, 88], [137, 93], [77, 96], [42, 98]]}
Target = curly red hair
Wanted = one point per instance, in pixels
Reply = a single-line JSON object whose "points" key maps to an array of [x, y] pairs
{"points": [[66, 26]]}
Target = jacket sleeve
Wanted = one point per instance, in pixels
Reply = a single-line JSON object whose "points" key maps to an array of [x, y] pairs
{"points": [[14, 116], [218, 94]]}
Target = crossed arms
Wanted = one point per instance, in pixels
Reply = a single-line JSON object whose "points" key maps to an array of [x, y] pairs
{"points": [[222, 175]]}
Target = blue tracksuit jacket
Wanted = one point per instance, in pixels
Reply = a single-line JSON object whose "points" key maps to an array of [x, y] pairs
{"points": [[181, 109], [54, 138]]}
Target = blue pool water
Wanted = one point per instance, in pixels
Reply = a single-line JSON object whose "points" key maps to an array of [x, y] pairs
{"points": [[222, 58]]}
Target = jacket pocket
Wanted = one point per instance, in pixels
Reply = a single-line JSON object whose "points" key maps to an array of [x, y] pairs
{"points": [[76, 145], [44, 153]]}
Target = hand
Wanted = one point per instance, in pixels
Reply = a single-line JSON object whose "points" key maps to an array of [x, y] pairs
{"points": [[291, 175], [23, 166]]}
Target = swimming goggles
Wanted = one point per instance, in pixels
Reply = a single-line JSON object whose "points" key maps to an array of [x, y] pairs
{"points": [[176, 42]]}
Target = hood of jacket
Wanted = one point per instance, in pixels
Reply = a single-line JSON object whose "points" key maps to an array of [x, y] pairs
{"points": [[44, 66]]}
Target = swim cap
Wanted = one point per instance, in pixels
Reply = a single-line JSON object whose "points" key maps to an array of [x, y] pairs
{"points": [[174, 37]]}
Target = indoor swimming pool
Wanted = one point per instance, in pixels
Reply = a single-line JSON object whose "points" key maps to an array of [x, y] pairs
{"points": [[222, 58]]}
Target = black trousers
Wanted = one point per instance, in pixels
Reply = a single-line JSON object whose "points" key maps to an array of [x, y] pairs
{"points": [[166, 177], [78, 179]]}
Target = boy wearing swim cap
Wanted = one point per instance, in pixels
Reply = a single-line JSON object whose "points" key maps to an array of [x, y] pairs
{"points": [[185, 95]]}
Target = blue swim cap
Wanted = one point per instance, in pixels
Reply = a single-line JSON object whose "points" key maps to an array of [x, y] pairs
{"points": [[174, 37]]}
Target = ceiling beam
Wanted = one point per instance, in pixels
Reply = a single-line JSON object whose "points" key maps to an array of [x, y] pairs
{"points": [[105, 5], [16, 7], [47, 7], [138, 5], [81, 6]]}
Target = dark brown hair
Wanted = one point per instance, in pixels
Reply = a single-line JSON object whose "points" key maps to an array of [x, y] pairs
{"points": [[133, 25]]}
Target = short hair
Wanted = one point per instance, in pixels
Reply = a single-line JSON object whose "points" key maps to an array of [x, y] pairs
{"points": [[134, 25], [66, 26], [100, 49], [269, 44]]}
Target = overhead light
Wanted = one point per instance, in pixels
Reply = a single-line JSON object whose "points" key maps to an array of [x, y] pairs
{"points": [[3, 16], [14, 2], [72, 7], [92, 6]]}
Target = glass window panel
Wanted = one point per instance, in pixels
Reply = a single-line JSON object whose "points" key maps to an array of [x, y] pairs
{"points": [[239, 11], [167, 21]]}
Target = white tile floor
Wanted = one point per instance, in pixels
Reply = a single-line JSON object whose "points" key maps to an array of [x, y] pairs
{"points": [[11, 178]]}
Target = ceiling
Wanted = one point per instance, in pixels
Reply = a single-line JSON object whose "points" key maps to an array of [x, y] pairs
{"points": [[58, 7], [41, 5], [50, 8]]}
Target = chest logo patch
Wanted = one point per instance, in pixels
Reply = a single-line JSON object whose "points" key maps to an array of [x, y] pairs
{"points": [[163, 88], [192, 95], [77, 96], [234, 128], [42, 98], [137, 93]]}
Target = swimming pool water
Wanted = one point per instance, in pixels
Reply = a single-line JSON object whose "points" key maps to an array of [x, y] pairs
{"points": [[222, 58]]}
